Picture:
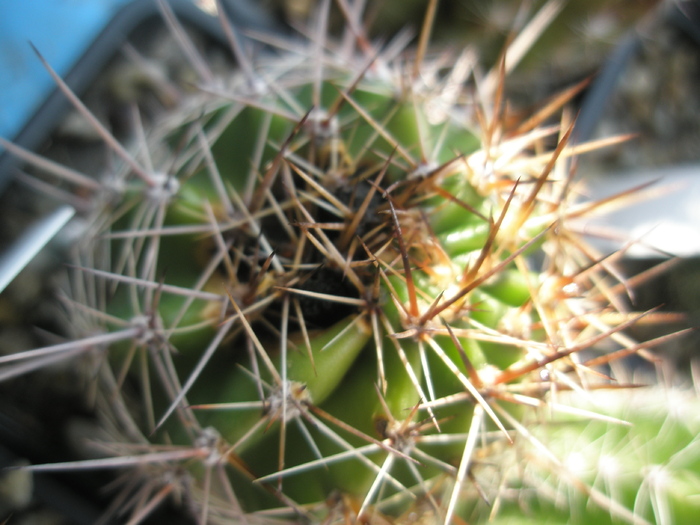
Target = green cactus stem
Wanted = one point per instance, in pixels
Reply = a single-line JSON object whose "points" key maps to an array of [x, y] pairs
{"points": [[339, 287]]}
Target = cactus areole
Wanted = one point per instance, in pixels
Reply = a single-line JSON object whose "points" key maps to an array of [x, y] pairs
{"points": [[338, 286]]}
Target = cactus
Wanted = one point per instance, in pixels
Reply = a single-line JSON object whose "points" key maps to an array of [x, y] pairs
{"points": [[343, 286]]}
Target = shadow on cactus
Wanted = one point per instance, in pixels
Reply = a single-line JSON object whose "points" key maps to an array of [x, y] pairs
{"points": [[341, 286]]}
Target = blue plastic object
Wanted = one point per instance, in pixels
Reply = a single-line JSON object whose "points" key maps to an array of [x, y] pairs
{"points": [[61, 30], [77, 37]]}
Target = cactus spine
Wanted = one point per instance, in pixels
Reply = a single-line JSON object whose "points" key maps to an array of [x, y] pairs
{"points": [[342, 286]]}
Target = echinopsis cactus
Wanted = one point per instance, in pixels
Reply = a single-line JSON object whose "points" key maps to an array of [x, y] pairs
{"points": [[342, 286]]}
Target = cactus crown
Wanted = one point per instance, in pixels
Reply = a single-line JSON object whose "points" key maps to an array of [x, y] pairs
{"points": [[338, 286]]}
